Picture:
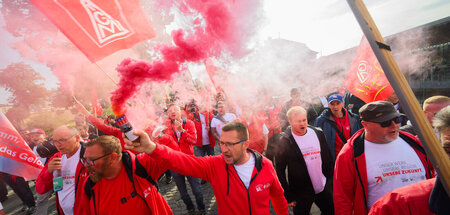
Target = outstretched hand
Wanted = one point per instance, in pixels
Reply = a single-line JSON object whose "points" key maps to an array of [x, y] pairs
{"points": [[142, 144]]}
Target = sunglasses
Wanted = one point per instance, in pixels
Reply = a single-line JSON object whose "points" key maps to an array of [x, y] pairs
{"points": [[388, 123]]}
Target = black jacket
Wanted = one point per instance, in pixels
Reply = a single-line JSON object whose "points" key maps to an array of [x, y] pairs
{"points": [[290, 156]]}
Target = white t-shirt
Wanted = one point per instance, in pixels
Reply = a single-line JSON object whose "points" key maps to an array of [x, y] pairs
{"points": [[245, 170], [1, 206], [205, 137], [310, 147], [66, 196], [216, 123], [390, 166]]}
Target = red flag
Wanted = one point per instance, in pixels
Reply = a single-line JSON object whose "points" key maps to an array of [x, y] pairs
{"points": [[366, 79], [16, 157], [98, 27], [96, 107]]}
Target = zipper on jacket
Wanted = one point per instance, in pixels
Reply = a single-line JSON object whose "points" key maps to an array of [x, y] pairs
{"points": [[247, 189], [362, 185], [93, 199]]}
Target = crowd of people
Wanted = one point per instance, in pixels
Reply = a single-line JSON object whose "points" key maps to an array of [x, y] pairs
{"points": [[347, 158]]}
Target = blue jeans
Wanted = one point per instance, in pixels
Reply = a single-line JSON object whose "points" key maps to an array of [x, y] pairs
{"points": [[203, 151], [196, 189]]}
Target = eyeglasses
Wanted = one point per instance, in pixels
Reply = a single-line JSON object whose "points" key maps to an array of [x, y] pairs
{"points": [[231, 144], [61, 141], [86, 162], [387, 123]]}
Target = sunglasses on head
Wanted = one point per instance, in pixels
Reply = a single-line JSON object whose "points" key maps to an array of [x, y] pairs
{"points": [[387, 123]]}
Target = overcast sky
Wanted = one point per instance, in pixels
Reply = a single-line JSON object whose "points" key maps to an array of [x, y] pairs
{"points": [[325, 26]]}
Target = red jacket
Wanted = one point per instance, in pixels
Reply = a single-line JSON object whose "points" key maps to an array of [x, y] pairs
{"points": [[350, 183], [273, 120], [198, 128], [410, 199], [255, 133], [108, 130], [44, 183], [231, 195], [144, 189], [188, 137]]}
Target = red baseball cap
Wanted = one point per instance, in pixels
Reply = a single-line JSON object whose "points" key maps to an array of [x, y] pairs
{"points": [[37, 130]]}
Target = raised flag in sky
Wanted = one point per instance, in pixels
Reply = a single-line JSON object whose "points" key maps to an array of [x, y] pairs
{"points": [[98, 27], [366, 79], [16, 157]]}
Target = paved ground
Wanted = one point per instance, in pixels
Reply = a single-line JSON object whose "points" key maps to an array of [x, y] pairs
{"points": [[169, 191]]}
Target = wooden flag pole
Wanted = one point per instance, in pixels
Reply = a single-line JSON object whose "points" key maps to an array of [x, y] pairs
{"points": [[407, 98]]}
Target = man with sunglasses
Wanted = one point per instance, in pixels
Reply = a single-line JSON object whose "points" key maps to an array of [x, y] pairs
{"points": [[376, 160], [242, 180], [67, 160]]}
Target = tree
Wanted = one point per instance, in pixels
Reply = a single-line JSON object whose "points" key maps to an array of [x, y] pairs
{"points": [[25, 85], [60, 98]]}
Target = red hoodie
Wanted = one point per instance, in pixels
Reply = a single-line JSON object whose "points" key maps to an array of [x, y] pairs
{"points": [[232, 196], [198, 127], [188, 137], [255, 133]]}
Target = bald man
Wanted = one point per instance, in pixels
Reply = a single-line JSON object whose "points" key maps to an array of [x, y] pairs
{"points": [[67, 160]]}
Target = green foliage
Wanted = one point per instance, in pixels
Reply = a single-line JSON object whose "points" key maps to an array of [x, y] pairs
{"points": [[49, 119], [25, 85]]}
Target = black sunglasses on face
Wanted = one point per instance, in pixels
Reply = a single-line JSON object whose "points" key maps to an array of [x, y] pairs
{"points": [[387, 123]]}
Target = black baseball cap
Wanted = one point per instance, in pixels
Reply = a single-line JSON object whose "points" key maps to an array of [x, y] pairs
{"points": [[378, 111]]}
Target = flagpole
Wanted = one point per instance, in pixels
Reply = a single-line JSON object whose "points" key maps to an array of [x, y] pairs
{"points": [[110, 78], [407, 98]]}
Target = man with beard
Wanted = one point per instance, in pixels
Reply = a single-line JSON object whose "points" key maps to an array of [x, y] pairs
{"points": [[120, 182], [242, 180], [67, 161], [376, 160]]}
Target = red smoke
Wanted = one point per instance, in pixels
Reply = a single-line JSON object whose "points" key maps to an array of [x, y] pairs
{"points": [[224, 28]]}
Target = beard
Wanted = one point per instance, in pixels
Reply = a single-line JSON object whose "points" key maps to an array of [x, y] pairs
{"points": [[96, 175]]}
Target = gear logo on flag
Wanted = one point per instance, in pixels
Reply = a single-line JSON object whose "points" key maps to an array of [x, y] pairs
{"points": [[106, 28]]}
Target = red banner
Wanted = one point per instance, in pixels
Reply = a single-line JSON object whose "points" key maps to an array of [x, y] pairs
{"points": [[16, 157], [366, 79], [99, 27]]}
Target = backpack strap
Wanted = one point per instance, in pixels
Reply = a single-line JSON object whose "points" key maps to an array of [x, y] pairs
{"points": [[141, 172]]}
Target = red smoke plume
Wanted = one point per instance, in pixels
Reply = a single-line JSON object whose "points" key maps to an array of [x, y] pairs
{"points": [[219, 26]]}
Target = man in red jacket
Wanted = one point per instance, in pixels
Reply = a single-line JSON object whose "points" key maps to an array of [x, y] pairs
{"points": [[183, 131], [376, 160], [242, 180], [120, 182], [67, 161], [425, 197]]}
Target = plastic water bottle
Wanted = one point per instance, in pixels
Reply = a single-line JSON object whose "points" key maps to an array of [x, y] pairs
{"points": [[57, 180]]}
